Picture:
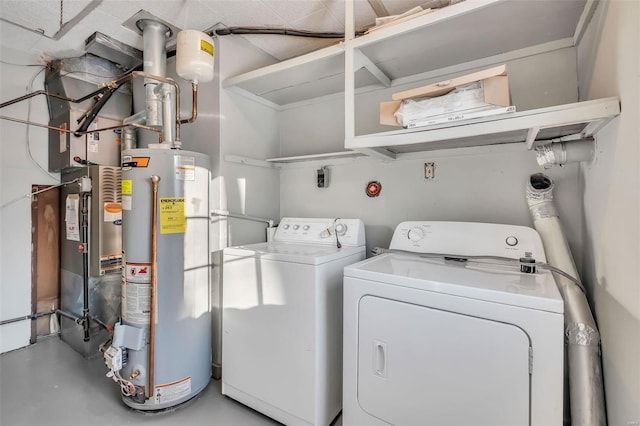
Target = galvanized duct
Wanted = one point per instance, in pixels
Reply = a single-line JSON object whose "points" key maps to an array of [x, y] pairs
{"points": [[582, 340]]}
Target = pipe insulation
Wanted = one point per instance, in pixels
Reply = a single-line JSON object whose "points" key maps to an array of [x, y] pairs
{"points": [[582, 340], [565, 152]]}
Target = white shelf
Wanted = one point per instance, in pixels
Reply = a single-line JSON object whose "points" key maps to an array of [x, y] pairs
{"points": [[469, 31], [462, 33], [466, 35], [313, 157], [572, 122]]}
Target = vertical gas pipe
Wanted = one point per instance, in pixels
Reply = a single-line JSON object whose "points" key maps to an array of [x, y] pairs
{"points": [[155, 180]]}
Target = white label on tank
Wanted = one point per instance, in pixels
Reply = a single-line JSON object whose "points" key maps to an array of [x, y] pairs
{"points": [[185, 167], [136, 302], [173, 391], [71, 217], [126, 162], [126, 202], [93, 138]]}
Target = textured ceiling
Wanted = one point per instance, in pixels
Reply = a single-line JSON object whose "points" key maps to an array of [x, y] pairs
{"points": [[35, 25]]}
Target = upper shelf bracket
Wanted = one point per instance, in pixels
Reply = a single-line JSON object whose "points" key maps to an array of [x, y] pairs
{"points": [[361, 61]]}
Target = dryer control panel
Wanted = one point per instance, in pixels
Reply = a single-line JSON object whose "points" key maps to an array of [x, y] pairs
{"points": [[468, 239], [348, 232]]}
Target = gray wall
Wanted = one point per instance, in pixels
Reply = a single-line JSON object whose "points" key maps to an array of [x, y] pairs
{"points": [[247, 129], [479, 184], [17, 173], [612, 206]]}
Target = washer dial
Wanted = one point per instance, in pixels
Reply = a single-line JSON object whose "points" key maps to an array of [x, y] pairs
{"points": [[341, 229], [415, 234]]}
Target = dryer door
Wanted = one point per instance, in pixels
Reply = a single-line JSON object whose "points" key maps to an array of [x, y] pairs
{"points": [[418, 365]]}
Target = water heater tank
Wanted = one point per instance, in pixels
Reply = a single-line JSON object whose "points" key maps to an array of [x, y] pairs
{"points": [[194, 56], [161, 350]]}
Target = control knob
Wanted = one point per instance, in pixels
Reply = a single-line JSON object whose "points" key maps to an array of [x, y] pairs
{"points": [[341, 229], [295, 227], [415, 234], [306, 227]]}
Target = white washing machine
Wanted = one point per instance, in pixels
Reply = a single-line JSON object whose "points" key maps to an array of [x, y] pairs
{"points": [[282, 319], [435, 340]]}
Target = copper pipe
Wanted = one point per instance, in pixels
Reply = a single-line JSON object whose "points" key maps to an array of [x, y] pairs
{"points": [[60, 129], [53, 95], [194, 105], [155, 180], [111, 84]]}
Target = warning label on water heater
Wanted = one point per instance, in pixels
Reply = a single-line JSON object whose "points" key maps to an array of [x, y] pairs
{"points": [[173, 391], [185, 167], [136, 302], [138, 272], [172, 216]]}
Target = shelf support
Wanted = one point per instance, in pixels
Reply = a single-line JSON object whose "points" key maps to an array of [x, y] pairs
{"points": [[595, 126], [349, 72], [362, 61], [379, 153], [248, 161], [531, 137]]}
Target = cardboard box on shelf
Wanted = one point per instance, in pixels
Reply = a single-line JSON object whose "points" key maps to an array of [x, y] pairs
{"points": [[494, 87]]}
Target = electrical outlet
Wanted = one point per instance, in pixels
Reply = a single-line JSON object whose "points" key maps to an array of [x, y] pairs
{"points": [[429, 171]]}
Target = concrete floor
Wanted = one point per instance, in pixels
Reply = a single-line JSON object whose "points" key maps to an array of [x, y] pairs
{"points": [[50, 384]]}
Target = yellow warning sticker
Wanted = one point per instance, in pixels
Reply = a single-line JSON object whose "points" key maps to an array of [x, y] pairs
{"points": [[127, 187], [172, 216], [207, 47]]}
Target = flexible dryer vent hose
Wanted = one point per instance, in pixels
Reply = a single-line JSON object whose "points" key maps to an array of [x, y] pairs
{"points": [[582, 340]]}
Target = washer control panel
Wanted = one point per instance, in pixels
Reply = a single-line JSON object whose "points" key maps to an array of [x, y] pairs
{"points": [[468, 239], [348, 232]]}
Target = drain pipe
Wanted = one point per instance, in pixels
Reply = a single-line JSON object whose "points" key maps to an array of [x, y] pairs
{"points": [[582, 340]]}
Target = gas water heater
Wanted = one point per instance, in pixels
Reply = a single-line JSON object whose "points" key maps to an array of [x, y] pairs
{"points": [[160, 354]]}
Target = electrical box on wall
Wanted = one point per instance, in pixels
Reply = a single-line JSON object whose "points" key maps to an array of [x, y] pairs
{"points": [[322, 177]]}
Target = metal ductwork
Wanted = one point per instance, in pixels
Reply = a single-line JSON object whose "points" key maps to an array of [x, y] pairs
{"points": [[582, 340], [561, 153]]}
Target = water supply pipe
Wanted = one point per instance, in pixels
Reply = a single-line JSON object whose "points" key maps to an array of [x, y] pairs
{"points": [[582, 340]]}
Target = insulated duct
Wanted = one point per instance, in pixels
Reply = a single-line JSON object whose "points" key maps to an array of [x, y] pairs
{"points": [[562, 153], [582, 340]]}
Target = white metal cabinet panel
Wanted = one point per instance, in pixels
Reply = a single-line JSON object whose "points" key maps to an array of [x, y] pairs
{"points": [[544, 328], [282, 341], [266, 333], [417, 364]]}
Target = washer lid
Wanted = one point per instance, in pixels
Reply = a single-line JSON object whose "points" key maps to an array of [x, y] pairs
{"points": [[493, 283], [312, 254]]}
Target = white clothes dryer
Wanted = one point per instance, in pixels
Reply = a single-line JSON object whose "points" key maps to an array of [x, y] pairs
{"points": [[454, 339], [282, 319]]}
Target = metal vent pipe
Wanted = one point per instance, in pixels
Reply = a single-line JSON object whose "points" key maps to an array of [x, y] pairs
{"points": [[582, 340], [154, 36]]}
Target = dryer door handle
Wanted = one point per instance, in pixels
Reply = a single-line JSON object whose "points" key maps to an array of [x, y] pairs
{"points": [[379, 358]]}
